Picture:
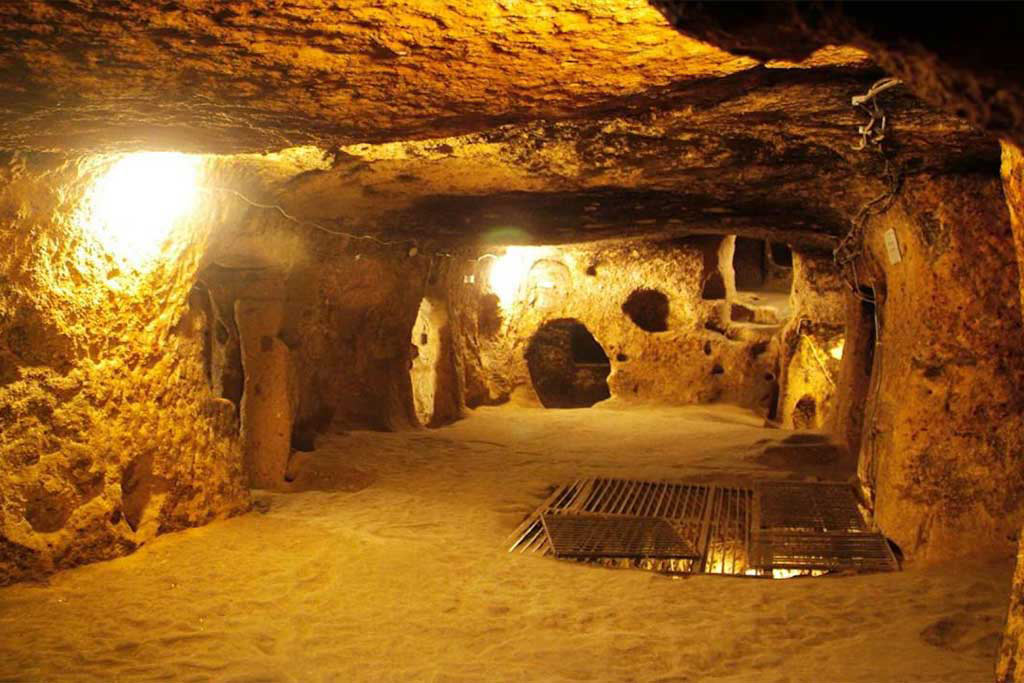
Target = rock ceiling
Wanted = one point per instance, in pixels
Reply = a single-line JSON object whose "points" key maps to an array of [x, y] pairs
{"points": [[559, 118], [258, 74]]}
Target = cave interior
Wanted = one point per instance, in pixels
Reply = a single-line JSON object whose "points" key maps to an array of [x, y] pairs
{"points": [[305, 306]]}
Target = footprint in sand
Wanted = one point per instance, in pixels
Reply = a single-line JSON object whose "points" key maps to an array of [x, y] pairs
{"points": [[976, 634]]}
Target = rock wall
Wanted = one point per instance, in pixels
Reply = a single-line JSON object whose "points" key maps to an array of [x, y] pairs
{"points": [[110, 432], [943, 448], [977, 79], [1010, 668], [641, 301], [355, 353], [812, 343]]}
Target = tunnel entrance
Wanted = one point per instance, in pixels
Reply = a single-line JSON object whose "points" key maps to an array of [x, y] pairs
{"points": [[763, 273], [568, 367]]}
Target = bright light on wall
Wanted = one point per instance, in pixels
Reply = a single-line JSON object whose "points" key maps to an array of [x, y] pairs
{"points": [[507, 272], [134, 205], [837, 350]]}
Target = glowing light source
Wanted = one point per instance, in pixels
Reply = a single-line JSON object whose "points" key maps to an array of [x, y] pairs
{"points": [[837, 350], [507, 272], [134, 205]]}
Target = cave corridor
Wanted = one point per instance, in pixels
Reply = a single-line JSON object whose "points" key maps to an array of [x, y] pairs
{"points": [[307, 308]]}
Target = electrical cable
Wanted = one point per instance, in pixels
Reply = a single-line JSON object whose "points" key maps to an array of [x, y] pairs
{"points": [[873, 135]]}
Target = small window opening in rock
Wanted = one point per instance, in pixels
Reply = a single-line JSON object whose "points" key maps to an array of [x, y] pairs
{"points": [[717, 370], [648, 309], [781, 254], [763, 287], [714, 286], [748, 260], [707, 348], [621, 357], [567, 366], [804, 413], [592, 270]]}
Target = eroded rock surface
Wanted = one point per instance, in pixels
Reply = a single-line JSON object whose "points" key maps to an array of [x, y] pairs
{"points": [[110, 431], [253, 75], [1011, 657], [955, 56], [943, 444], [676, 348]]}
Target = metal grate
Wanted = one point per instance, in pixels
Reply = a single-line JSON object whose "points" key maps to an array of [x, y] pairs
{"points": [[810, 506], [824, 551], [745, 529], [590, 535], [729, 522]]}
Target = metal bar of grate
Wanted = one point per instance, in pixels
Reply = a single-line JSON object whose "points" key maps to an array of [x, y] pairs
{"points": [[824, 551], [722, 528], [810, 506], [590, 536]]}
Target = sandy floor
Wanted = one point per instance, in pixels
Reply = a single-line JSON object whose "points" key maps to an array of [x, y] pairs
{"points": [[407, 579]]}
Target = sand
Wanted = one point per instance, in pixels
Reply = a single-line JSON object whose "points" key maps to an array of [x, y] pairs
{"points": [[401, 574]]}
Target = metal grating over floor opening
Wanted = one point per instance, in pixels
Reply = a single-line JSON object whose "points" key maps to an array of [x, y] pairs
{"points": [[765, 528], [589, 535], [810, 506]]}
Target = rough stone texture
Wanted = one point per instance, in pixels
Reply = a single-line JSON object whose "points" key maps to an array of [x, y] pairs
{"points": [[1011, 658], [432, 370], [817, 326], [612, 121], [856, 374], [109, 430], [701, 357], [943, 451], [253, 74], [767, 152], [269, 396], [346, 319], [356, 352], [963, 58], [1010, 667]]}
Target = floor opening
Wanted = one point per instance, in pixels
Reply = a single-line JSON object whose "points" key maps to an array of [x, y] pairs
{"points": [[766, 529], [568, 367]]}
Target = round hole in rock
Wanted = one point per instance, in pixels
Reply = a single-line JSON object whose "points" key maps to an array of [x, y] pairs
{"points": [[568, 367], [781, 254], [804, 412], [648, 309]]}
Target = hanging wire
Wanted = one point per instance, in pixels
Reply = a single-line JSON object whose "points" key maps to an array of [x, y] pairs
{"points": [[339, 233], [872, 137], [306, 222]]}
